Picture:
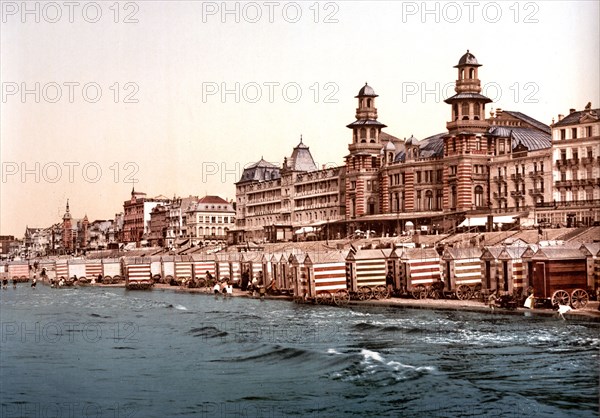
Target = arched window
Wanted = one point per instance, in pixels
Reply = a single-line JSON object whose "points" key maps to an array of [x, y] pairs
{"points": [[476, 111], [363, 135], [428, 200], [455, 111], [472, 73], [368, 102], [453, 197], [465, 111], [461, 74], [479, 196], [372, 134]]}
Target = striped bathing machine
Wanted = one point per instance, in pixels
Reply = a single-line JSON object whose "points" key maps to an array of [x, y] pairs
{"points": [[200, 267], [369, 268], [422, 266], [463, 270], [62, 269], [93, 268], [137, 272], [183, 270], [325, 273], [18, 271]]}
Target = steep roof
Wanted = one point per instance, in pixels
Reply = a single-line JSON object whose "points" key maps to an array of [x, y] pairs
{"points": [[528, 119], [260, 171], [301, 159]]}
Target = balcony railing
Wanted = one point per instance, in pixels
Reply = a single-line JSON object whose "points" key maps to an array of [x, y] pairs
{"points": [[535, 192], [516, 177]]}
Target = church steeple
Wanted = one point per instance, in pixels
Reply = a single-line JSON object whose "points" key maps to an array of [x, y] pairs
{"points": [[67, 214]]}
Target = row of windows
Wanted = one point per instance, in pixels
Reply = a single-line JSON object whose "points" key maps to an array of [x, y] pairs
{"points": [[582, 132], [216, 219]]}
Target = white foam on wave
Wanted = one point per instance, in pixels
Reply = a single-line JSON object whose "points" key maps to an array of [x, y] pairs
{"points": [[181, 307], [332, 351], [371, 355], [397, 366]]}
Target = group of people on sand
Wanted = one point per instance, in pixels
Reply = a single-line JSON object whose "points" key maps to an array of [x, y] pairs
{"points": [[257, 285], [225, 287]]}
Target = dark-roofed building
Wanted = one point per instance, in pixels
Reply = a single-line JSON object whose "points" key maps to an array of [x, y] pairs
{"points": [[508, 163], [519, 162], [273, 202]]}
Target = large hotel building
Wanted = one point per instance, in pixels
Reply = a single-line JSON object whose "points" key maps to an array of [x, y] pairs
{"points": [[507, 168]]}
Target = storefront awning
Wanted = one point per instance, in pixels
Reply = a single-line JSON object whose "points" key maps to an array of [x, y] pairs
{"points": [[482, 221]]}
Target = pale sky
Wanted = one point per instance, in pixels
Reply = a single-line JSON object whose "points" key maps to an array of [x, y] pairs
{"points": [[141, 99]]}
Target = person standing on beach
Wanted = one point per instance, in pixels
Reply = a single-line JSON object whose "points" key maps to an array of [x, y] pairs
{"points": [[245, 280], [389, 281], [217, 288]]}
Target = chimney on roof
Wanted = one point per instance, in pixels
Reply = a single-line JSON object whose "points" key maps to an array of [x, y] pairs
{"points": [[323, 166], [560, 117], [588, 106], [498, 112], [571, 111]]}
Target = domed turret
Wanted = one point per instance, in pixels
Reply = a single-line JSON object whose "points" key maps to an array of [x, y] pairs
{"points": [[468, 59], [366, 91]]}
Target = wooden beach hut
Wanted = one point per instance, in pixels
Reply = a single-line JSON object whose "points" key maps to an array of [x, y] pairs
{"points": [[463, 271], [559, 274], [592, 255], [366, 271], [18, 271], [325, 272], [111, 270], [419, 270]]}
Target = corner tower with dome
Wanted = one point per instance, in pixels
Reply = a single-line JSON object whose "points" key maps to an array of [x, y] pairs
{"points": [[364, 160], [465, 145]]}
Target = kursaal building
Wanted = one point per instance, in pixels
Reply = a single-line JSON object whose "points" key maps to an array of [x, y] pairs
{"points": [[508, 168]]}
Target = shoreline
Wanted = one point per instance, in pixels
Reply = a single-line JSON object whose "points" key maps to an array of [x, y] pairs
{"points": [[590, 312]]}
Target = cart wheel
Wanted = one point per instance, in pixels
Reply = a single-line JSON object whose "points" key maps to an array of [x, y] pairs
{"points": [[156, 278], [324, 298], [477, 292], [106, 280], [435, 294], [341, 297], [364, 293], [381, 292], [560, 297], [463, 292], [116, 278], [419, 292], [579, 298]]}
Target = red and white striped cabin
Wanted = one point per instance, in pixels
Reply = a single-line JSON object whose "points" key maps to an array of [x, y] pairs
{"points": [[93, 268], [421, 266], [62, 269], [202, 264], [138, 270], [366, 268], [183, 268], [18, 270], [326, 272], [463, 266]]}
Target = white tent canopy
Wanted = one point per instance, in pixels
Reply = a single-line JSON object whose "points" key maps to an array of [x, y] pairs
{"points": [[482, 221]]}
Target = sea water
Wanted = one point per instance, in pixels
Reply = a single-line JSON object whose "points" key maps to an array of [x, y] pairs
{"points": [[109, 352]]}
